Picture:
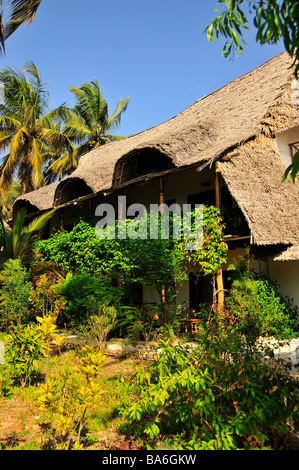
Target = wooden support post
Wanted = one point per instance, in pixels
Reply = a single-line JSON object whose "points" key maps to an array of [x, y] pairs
{"points": [[163, 289], [162, 184], [122, 207], [122, 213], [61, 219], [219, 275], [217, 187]]}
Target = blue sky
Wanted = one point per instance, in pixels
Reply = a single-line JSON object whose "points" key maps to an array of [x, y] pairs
{"points": [[153, 51]]}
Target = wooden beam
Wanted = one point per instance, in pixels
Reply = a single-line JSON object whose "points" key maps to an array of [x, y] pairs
{"points": [[163, 289], [162, 198], [217, 187], [219, 274], [122, 208]]}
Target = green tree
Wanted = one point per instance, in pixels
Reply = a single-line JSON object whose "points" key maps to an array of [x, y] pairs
{"points": [[273, 20], [88, 124], [28, 131]]}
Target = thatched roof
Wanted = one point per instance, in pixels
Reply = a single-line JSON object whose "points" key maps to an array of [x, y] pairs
{"points": [[205, 130], [39, 200], [290, 254], [234, 119], [254, 178]]}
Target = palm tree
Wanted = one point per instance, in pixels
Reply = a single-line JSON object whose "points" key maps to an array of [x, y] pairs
{"points": [[7, 200], [18, 242], [88, 124], [21, 11], [29, 135], [61, 149]]}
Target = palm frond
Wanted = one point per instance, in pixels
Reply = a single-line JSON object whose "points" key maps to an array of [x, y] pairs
{"points": [[113, 138], [10, 159], [38, 223], [7, 199], [64, 165], [36, 160], [114, 120], [90, 121], [58, 140], [76, 128], [18, 242], [22, 11], [10, 123], [5, 142], [55, 117], [83, 107]]}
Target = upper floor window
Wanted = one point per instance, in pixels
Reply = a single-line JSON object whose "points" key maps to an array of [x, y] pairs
{"points": [[139, 163], [70, 189]]}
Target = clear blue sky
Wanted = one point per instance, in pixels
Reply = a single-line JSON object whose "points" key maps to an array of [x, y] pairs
{"points": [[153, 51]]}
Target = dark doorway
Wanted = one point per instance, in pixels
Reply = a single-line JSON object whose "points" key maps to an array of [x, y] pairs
{"points": [[200, 290]]}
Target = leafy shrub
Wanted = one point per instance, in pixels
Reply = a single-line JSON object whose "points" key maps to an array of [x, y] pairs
{"points": [[66, 397], [45, 297], [98, 325], [81, 292], [133, 324], [221, 396], [256, 307], [6, 381], [24, 347], [76, 251], [14, 293]]}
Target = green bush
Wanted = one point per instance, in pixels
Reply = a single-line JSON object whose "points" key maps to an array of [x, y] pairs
{"points": [[99, 324], [256, 307], [6, 381], [76, 251], [127, 263], [220, 396], [14, 293], [81, 292], [24, 347]]}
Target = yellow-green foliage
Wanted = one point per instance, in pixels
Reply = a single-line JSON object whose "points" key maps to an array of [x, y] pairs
{"points": [[46, 298], [67, 396], [24, 347]]}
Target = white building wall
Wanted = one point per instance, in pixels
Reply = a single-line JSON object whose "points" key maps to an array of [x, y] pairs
{"points": [[286, 273]]}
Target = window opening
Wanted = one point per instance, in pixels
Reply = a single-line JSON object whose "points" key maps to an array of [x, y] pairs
{"points": [[141, 163], [294, 148]]}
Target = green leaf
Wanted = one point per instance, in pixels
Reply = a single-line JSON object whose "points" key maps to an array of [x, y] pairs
{"points": [[293, 169]]}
